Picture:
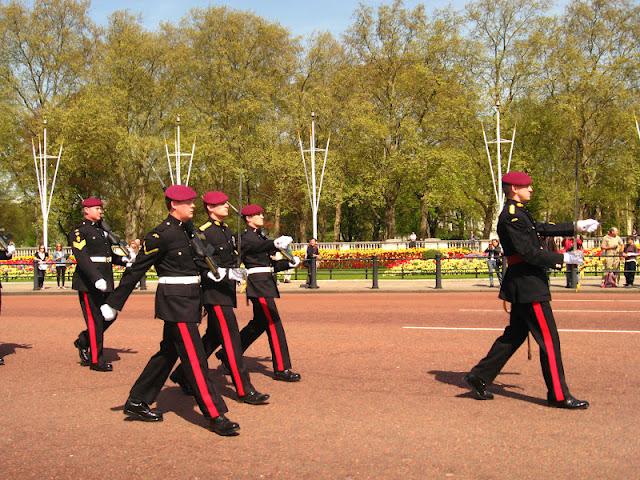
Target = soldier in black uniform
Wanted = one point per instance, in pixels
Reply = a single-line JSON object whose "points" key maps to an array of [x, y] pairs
{"points": [[262, 290], [219, 296], [93, 279], [170, 248], [525, 287]]}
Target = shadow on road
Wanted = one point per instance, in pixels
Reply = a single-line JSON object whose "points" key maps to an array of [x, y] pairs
{"points": [[113, 354], [10, 348], [506, 390]]}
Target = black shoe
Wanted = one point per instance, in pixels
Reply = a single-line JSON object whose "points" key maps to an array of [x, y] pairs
{"points": [[224, 427], [254, 398], [182, 383], [141, 411], [478, 387], [1, 361], [83, 353], [568, 403], [223, 359], [286, 376], [101, 367]]}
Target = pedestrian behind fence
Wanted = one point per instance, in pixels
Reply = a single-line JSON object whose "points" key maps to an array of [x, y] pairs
{"points": [[312, 254], [40, 259], [630, 259], [494, 260], [611, 247], [60, 260], [572, 271]]}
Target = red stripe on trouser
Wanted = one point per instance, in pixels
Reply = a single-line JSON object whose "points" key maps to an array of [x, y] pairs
{"points": [[274, 334], [228, 348], [91, 326], [197, 372], [551, 353]]}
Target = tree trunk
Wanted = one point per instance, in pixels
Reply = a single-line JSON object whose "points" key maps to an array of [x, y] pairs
{"points": [[276, 221], [390, 221], [488, 220], [423, 230], [302, 226], [337, 221], [136, 214]]}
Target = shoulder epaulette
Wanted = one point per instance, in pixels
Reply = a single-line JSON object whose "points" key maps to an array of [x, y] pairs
{"points": [[512, 209], [205, 226]]}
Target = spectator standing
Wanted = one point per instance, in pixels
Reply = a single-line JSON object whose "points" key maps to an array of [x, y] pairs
{"points": [[630, 258], [572, 271], [312, 253], [60, 260], [494, 260], [412, 240], [40, 259], [611, 247]]}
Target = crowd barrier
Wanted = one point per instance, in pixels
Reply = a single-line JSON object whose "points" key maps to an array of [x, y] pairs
{"points": [[368, 268]]}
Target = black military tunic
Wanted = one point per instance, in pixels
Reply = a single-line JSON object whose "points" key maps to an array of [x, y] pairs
{"points": [[262, 290], [94, 258], [219, 300], [525, 285], [178, 304]]}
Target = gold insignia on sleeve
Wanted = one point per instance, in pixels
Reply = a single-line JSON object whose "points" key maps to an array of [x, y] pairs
{"points": [[149, 252], [80, 245], [512, 209], [205, 226], [519, 204], [514, 219], [155, 235]]}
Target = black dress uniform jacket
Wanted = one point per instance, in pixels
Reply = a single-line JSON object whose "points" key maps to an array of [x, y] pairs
{"points": [[88, 240], [525, 280], [223, 250], [256, 252], [168, 247]]}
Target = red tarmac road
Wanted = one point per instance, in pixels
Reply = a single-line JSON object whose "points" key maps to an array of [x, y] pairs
{"points": [[376, 400]]}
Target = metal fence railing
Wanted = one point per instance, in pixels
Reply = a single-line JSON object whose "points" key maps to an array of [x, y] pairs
{"points": [[371, 268]]}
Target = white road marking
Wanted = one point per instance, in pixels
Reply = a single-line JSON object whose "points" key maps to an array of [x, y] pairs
{"points": [[556, 300], [555, 310], [489, 329]]}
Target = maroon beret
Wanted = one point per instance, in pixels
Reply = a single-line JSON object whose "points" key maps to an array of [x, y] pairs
{"points": [[251, 209], [92, 202], [214, 198], [517, 178], [180, 193]]}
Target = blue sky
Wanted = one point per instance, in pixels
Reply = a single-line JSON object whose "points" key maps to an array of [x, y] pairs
{"points": [[300, 17]]}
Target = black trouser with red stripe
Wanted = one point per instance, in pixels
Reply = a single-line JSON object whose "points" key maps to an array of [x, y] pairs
{"points": [[222, 328], [180, 340], [266, 317], [93, 337], [536, 318]]}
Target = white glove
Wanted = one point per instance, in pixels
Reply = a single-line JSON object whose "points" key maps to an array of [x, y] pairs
{"points": [[282, 242], [108, 312], [127, 260], [573, 258], [295, 263], [221, 273], [589, 225], [101, 285], [237, 274]]}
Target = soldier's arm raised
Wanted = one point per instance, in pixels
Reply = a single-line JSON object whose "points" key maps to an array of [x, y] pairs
{"points": [[78, 244], [566, 229], [519, 233], [148, 255]]}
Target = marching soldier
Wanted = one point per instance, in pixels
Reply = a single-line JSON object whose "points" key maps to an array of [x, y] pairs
{"points": [[93, 279], [262, 290], [525, 287], [219, 297], [171, 248]]}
